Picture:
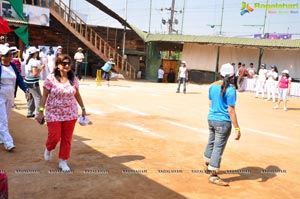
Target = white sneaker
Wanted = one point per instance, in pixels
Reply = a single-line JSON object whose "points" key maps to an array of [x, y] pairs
{"points": [[10, 147], [284, 108], [64, 166], [275, 107], [47, 155]]}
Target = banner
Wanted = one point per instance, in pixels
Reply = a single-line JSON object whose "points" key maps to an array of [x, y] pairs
{"points": [[273, 36], [31, 14]]}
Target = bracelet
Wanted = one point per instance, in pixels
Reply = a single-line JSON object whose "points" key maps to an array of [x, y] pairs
{"points": [[83, 108], [41, 109], [237, 129]]}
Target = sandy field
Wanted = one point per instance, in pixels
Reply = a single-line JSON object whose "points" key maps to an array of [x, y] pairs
{"points": [[147, 142]]}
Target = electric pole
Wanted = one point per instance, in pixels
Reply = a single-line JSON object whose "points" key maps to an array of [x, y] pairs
{"points": [[171, 18]]}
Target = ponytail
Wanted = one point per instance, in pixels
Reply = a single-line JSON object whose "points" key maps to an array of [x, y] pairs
{"points": [[226, 83]]}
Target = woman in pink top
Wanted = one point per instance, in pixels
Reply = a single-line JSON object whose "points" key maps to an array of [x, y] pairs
{"points": [[60, 95], [284, 85]]}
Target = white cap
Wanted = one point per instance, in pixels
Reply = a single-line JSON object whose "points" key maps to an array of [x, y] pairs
{"points": [[227, 69], [183, 62], [111, 61], [14, 49], [285, 71], [78, 49], [4, 49], [32, 50], [59, 47]]}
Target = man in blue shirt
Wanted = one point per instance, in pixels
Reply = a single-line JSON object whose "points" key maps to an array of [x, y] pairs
{"points": [[106, 69]]}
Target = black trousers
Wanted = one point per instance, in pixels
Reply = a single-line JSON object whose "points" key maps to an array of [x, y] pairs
{"points": [[78, 69]]}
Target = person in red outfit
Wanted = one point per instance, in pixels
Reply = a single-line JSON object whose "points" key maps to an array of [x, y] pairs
{"points": [[60, 98]]}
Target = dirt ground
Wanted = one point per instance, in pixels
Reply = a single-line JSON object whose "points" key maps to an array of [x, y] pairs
{"points": [[147, 141]]}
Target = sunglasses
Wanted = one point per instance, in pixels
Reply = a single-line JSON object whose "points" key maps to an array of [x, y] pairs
{"points": [[64, 63]]}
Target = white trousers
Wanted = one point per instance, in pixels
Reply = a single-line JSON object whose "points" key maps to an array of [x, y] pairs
{"points": [[260, 87], [5, 108], [271, 90]]}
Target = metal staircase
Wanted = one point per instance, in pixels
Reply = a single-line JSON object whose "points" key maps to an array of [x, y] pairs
{"points": [[87, 35]]}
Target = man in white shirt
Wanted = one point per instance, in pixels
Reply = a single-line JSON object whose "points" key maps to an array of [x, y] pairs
{"points": [[160, 74], [79, 57], [182, 77]]}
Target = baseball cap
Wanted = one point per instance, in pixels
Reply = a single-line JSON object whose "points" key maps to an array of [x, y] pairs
{"points": [[285, 71], [227, 69], [263, 65], [78, 49], [273, 66], [183, 62], [4, 49], [32, 50], [59, 47]]}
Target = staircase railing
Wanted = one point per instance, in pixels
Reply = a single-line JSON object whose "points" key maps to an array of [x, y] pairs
{"points": [[86, 34]]}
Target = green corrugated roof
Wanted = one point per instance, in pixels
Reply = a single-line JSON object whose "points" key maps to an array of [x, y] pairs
{"points": [[218, 40]]}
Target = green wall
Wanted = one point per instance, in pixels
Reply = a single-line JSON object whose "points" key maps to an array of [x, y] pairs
{"points": [[153, 61]]}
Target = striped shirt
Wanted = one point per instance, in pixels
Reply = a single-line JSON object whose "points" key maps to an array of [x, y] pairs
{"points": [[29, 78]]}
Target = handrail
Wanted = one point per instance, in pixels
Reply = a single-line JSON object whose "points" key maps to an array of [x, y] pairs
{"points": [[100, 46]]}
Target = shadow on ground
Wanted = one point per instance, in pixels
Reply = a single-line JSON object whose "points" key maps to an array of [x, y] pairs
{"points": [[95, 175]]}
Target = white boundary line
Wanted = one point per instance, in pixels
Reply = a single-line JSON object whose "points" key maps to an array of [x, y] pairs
{"points": [[131, 110], [141, 129], [204, 131], [266, 133], [163, 108]]}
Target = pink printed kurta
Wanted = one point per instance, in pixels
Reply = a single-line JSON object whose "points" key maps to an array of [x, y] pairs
{"points": [[61, 103]]}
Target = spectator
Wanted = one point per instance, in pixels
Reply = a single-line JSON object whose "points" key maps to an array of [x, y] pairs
{"points": [[260, 85], [9, 76], [242, 74], [43, 60], [59, 51], [160, 74], [272, 77], [284, 86], [182, 77], [171, 76], [79, 57], [16, 60], [33, 69], [251, 71], [236, 74]]}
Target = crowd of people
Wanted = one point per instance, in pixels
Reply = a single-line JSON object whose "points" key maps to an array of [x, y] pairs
{"points": [[268, 82]]}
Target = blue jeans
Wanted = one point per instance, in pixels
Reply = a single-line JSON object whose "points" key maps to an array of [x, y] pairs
{"points": [[180, 81], [219, 132]]}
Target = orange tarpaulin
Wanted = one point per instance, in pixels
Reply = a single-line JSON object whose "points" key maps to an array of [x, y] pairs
{"points": [[4, 27]]}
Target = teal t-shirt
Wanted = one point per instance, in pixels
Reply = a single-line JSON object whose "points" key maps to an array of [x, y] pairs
{"points": [[107, 66], [219, 104]]}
